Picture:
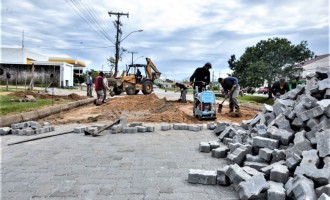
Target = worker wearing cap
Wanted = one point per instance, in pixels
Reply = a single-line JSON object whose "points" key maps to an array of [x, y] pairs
{"points": [[201, 77], [231, 88]]}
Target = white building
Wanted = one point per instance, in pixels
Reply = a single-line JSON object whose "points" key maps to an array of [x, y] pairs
{"points": [[311, 65], [19, 62]]}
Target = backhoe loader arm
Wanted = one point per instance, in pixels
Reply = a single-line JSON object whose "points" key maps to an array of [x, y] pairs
{"points": [[152, 75]]}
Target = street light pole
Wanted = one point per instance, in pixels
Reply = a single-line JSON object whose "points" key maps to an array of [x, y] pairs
{"points": [[117, 50]]}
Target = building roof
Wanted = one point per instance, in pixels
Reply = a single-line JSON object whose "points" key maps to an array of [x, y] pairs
{"points": [[315, 59], [74, 62]]}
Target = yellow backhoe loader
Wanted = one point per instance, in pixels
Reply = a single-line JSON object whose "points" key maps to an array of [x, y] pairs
{"points": [[137, 77]]}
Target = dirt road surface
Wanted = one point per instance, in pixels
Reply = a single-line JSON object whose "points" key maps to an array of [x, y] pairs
{"points": [[143, 108]]}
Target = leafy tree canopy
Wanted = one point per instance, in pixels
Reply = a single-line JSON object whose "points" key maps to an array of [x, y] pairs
{"points": [[268, 60]]}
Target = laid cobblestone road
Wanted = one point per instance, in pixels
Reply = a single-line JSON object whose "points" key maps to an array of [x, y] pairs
{"points": [[115, 166]]}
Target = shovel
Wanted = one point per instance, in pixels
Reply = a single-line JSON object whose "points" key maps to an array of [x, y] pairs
{"points": [[220, 106]]}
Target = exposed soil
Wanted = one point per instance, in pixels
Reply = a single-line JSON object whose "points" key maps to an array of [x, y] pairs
{"points": [[143, 108], [73, 96]]}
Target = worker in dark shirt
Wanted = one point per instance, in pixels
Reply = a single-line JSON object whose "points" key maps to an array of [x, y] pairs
{"points": [[183, 89], [231, 88], [201, 77], [279, 87]]}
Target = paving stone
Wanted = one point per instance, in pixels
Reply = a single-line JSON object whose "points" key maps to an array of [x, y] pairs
{"points": [[92, 129], [311, 113], [220, 152], [327, 111], [195, 128], [132, 129], [211, 126], [21, 131], [266, 170], [297, 122], [323, 190], [180, 126], [303, 188], [284, 136], [251, 171], [253, 187], [150, 128], [266, 154], [256, 165], [221, 126], [289, 187], [324, 197], [269, 117], [226, 132], [237, 156], [289, 113], [214, 144], [5, 130], [30, 131], [323, 143], [281, 122], [310, 84], [79, 129], [202, 177], [292, 160], [222, 178], [262, 133], [293, 94], [204, 147], [276, 191], [279, 173], [312, 122], [265, 142], [141, 129], [256, 119], [324, 84], [226, 141], [309, 167], [134, 124], [165, 127], [267, 108], [277, 155], [236, 174], [300, 143], [251, 158]]}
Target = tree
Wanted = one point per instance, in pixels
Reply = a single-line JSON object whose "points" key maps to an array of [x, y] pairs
{"points": [[268, 60]]}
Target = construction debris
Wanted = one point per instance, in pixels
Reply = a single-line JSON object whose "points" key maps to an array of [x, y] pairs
{"points": [[287, 146]]}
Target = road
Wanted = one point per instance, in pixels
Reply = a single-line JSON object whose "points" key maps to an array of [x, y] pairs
{"points": [[115, 166]]}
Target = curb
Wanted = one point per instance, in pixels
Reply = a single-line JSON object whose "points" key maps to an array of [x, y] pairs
{"points": [[41, 113]]}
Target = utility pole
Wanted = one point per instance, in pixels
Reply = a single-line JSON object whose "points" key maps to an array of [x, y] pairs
{"points": [[132, 55], [117, 24]]}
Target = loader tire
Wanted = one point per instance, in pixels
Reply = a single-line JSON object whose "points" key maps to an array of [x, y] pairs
{"points": [[130, 90], [117, 91], [147, 87]]}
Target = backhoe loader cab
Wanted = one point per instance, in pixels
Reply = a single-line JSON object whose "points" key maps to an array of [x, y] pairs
{"points": [[135, 78]]}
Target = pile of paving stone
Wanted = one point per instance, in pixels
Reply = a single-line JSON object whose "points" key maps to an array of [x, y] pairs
{"points": [[27, 128], [282, 153]]}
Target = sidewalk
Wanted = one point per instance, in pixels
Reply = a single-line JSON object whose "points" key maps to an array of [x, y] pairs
{"points": [[114, 166]]}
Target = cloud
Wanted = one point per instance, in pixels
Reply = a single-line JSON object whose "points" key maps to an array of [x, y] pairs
{"points": [[177, 35]]}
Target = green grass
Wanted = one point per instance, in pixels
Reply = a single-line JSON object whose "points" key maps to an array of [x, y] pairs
{"points": [[8, 107], [258, 100]]}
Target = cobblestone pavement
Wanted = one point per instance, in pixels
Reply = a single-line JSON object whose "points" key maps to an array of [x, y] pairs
{"points": [[114, 166]]}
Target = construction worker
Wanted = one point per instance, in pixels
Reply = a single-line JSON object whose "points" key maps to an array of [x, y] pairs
{"points": [[183, 89], [89, 83], [279, 87], [201, 77], [99, 88], [231, 89]]}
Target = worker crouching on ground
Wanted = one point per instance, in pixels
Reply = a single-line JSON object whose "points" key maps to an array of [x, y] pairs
{"points": [[183, 89], [201, 77], [99, 88], [231, 90], [279, 87]]}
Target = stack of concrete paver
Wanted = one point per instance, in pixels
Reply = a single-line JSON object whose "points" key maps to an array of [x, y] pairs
{"points": [[283, 152], [27, 128]]}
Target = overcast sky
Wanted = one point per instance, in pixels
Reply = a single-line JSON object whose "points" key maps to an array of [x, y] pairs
{"points": [[178, 35]]}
